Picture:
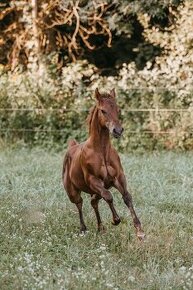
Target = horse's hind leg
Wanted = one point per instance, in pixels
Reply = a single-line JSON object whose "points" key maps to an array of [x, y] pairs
{"points": [[75, 197], [82, 224], [94, 202]]}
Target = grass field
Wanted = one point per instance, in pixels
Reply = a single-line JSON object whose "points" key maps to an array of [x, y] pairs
{"points": [[40, 247]]}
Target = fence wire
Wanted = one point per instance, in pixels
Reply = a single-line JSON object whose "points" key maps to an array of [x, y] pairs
{"points": [[87, 110], [128, 131], [134, 110]]}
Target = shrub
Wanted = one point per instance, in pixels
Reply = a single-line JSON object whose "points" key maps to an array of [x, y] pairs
{"points": [[56, 108]]}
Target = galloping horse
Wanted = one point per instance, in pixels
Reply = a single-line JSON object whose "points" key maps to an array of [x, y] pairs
{"points": [[94, 166]]}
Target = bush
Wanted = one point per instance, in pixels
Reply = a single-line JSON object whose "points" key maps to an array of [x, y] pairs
{"points": [[51, 110]]}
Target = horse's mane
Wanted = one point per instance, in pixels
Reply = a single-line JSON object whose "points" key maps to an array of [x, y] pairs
{"points": [[90, 116]]}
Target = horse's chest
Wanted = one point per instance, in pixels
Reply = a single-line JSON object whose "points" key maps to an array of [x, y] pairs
{"points": [[108, 173]]}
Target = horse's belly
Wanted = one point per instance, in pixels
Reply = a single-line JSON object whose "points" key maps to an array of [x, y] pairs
{"points": [[77, 176]]}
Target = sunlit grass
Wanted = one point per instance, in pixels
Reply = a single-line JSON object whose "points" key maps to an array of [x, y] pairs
{"points": [[39, 241]]}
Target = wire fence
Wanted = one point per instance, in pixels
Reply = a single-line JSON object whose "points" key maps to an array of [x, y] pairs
{"points": [[172, 132], [87, 110], [134, 110]]}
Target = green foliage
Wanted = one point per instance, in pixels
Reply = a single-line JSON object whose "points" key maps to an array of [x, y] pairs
{"points": [[63, 107], [48, 106], [51, 110]]}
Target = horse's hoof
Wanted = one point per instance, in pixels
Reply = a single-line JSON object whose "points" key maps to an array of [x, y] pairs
{"points": [[116, 222], [141, 236], [83, 230], [101, 229]]}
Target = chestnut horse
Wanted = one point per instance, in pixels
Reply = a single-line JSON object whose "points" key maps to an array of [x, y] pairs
{"points": [[94, 166]]}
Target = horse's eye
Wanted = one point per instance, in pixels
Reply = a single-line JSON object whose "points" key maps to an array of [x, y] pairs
{"points": [[104, 112]]}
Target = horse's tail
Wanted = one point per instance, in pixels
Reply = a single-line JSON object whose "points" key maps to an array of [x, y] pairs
{"points": [[72, 143], [65, 164]]}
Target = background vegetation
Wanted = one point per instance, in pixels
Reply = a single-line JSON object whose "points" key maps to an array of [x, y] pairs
{"points": [[54, 54]]}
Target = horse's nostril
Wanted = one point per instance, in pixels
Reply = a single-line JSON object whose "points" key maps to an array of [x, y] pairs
{"points": [[118, 131]]}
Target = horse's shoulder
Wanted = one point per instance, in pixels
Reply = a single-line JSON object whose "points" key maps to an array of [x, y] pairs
{"points": [[114, 153], [115, 160]]}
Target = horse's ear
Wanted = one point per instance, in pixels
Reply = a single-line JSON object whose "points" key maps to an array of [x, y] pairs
{"points": [[112, 93], [97, 94]]}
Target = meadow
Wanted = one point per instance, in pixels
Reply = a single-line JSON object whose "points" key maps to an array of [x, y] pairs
{"points": [[40, 244]]}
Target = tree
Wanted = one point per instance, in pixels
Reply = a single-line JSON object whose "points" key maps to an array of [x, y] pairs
{"points": [[79, 29]]}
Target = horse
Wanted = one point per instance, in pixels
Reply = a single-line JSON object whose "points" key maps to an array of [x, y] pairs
{"points": [[94, 166]]}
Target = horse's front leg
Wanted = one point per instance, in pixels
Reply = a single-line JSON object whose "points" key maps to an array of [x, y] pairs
{"points": [[97, 186], [121, 185]]}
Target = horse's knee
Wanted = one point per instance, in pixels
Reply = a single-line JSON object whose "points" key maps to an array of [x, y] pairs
{"points": [[107, 196], [76, 200], [127, 198]]}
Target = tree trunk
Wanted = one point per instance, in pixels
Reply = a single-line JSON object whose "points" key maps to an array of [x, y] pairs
{"points": [[34, 4]]}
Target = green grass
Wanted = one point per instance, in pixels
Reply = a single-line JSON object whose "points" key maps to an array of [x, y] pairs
{"points": [[40, 247]]}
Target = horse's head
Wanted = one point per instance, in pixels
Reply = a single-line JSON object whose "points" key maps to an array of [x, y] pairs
{"points": [[109, 113]]}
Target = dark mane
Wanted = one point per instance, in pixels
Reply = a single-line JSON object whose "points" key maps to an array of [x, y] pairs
{"points": [[90, 116]]}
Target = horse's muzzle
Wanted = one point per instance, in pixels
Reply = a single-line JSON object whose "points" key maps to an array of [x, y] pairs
{"points": [[117, 132]]}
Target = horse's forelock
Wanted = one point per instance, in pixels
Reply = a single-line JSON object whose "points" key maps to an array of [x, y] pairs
{"points": [[106, 96]]}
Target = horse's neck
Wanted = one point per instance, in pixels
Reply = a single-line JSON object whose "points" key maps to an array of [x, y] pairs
{"points": [[99, 136]]}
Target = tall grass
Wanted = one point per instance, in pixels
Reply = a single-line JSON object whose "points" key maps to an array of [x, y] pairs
{"points": [[39, 241]]}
